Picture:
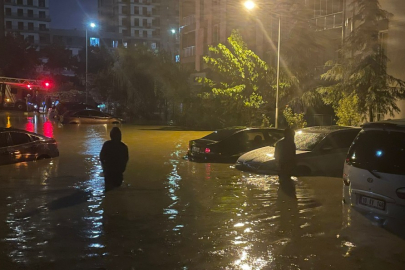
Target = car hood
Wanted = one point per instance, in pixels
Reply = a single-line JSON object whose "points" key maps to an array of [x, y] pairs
{"points": [[260, 160]]}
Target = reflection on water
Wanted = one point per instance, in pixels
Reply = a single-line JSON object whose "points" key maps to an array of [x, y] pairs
{"points": [[171, 213]]}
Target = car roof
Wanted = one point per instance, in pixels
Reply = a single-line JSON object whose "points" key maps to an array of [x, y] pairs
{"points": [[237, 129], [326, 129], [390, 123]]}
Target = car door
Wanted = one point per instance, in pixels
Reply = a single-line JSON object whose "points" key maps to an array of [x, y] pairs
{"points": [[5, 155], [84, 117], [99, 117], [22, 147], [333, 151]]}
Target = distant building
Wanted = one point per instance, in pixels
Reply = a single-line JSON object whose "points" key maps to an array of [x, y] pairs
{"points": [[146, 22], [29, 18]]}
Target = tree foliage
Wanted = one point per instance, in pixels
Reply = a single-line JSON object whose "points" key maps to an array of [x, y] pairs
{"points": [[238, 83], [18, 57], [294, 120], [346, 111], [362, 72]]}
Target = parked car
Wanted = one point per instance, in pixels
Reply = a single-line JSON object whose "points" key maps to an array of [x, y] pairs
{"points": [[229, 144], [374, 171], [63, 107], [19, 146], [320, 149], [88, 117]]}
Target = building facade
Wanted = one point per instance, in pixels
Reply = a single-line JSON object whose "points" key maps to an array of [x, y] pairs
{"points": [[29, 18], [153, 23]]}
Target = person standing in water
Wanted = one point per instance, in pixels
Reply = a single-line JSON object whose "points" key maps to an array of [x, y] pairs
{"points": [[114, 158]]}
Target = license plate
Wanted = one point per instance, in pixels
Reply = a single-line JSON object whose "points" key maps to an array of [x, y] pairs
{"points": [[195, 149], [371, 202]]}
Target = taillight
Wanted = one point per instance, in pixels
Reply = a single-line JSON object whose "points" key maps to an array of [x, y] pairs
{"points": [[346, 180], [207, 150], [401, 193]]}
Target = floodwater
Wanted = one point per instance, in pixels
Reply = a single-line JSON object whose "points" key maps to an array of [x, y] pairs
{"points": [[174, 214]]}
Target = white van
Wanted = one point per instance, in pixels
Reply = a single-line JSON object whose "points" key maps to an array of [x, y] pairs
{"points": [[374, 170]]}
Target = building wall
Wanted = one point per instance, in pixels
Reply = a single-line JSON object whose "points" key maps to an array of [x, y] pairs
{"points": [[395, 44], [140, 21], [29, 18]]}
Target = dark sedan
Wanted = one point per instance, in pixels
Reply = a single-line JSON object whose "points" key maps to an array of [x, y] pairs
{"points": [[228, 144], [19, 146], [88, 117], [63, 107]]}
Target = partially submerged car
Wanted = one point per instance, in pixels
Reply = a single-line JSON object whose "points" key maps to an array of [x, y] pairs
{"points": [[63, 107], [228, 144], [374, 171], [18, 145], [320, 149], [88, 117]]}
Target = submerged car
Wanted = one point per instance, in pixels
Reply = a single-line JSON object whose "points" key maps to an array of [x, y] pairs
{"points": [[320, 149], [374, 171], [88, 117], [63, 107], [19, 146], [228, 144]]}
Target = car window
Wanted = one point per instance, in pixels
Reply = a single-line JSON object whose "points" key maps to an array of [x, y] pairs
{"points": [[4, 139], [219, 135], [97, 114], [306, 141], [380, 150], [255, 138], [340, 140], [18, 138], [35, 138], [274, 136], [82, 113]]}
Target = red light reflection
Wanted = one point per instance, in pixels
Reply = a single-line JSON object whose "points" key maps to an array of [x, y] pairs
{"points": [[48, 129], [30, 125]]}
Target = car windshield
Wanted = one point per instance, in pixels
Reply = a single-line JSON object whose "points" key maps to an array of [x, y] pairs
{"points": [[306, 141], [379, 150], [219, 134]]}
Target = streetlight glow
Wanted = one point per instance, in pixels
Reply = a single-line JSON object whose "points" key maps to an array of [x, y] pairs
{"points": [[173, 31], [250, 5], [92, 25]]}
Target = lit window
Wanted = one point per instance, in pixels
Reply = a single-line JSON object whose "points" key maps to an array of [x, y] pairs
{"points": [[95, 42]]}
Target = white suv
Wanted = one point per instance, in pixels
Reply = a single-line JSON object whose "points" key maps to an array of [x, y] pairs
{"points": [[374, 170]]}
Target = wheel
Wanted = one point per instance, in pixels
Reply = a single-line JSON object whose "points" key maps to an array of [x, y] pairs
{"points": [[21, 106]]}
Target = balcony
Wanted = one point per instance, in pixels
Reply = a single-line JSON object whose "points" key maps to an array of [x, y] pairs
{"points": [[188, 51], [28, 29], [26, 16]]}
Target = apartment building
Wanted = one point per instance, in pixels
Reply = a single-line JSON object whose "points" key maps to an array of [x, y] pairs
{"points": [[29, 18], [149, 22]]}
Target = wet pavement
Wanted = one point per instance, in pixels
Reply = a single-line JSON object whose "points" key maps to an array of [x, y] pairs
{"points": [[174, 214]]}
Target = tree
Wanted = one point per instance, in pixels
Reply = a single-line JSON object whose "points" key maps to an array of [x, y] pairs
{"points": [[294, 120], [362, 71], [346, 111], [58, 57], [18, 57], [238, 81]]}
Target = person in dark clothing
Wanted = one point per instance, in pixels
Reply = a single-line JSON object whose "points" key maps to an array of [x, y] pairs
{"points": [[285, 154], [48, 103], [114, 158]]}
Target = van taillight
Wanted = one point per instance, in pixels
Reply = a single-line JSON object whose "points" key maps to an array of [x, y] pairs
{"points": [[207, 150], [346, 180], [401, 193]]}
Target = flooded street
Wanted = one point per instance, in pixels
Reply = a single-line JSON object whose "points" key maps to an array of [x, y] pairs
{"points": [[171, 213]]}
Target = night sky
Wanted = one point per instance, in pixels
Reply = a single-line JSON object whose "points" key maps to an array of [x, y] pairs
{"points": [[70, 14]]}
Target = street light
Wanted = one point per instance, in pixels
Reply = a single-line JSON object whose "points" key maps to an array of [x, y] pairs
{"points": [[251, 5], [92, 25]]}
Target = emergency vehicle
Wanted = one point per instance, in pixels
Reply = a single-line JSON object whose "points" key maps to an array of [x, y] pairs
{"points": [[21, 93]]}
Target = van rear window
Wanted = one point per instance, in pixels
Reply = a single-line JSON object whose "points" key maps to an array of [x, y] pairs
{"points": [[380, 150]]}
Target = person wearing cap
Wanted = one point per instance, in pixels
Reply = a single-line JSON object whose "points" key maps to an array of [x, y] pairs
{"points": [[114, 157]]}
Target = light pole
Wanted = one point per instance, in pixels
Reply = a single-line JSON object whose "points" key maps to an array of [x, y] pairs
{"points": [[251, 5], [92, 25]]}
